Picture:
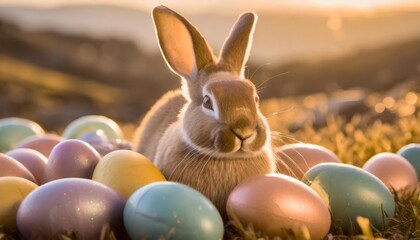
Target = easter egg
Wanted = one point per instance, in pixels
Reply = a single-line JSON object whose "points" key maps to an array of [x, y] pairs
{"points": [[126, 171], [13, 190], [274, 203], [393, 170], [41, 143], [172, 211], [71, 158], [350, 192], [296, 159], [70, 205], [98, 140], [11, 167], [411, 152], [13, 130], [87, 124], [33, 160]]}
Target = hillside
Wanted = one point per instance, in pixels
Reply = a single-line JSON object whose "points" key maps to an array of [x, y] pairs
{"points": [[54, 78]]}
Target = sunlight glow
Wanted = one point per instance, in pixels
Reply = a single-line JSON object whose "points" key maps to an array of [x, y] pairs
{"points": [[334, 23]]}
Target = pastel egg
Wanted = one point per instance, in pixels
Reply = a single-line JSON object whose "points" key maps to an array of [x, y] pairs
{"points": [[71, 158], [393, 170], [13, 130], [274, 203], [172, 211], [126, 171], [411, 152], [87, 124], [98, 140], [11, 167], [69, 205], [296, 159], [350, 192], [41, 143], [33, 160], [13, 190]]}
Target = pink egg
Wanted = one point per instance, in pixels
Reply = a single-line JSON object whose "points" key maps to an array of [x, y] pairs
{"points": [[71, 158], [296, 159], [274, 203], [393, 170], [43, 143], [33, 160], [11, 167]]}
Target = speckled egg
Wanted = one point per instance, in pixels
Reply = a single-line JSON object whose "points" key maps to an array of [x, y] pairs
{"points": [[172, 211], [393, 170], [350, 192], [41, 143], [12, 192], [126, 171], [90, 123], [72, 205], [71, 158], [411, 152], [13, 130], [11, 167], [33, 160], [298, 158], [274, 203]]}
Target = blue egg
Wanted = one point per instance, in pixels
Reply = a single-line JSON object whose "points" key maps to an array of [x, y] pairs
{"points": [[172, 211], [411, 152], [14, 130], [350, 192], [91, 123]]}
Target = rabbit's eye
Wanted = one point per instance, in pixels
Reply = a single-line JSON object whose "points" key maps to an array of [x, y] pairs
{"points": [[207, 103]]}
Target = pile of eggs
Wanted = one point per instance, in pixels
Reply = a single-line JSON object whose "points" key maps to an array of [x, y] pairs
{"points": [[89, 179]]}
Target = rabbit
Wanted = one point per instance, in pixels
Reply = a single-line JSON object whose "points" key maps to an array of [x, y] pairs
{"points": [[210, 133]]}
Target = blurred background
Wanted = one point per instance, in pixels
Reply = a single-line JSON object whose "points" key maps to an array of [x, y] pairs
{"points": [[62, 59]]}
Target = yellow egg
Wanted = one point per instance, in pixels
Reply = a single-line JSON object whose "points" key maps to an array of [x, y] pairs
{"points": [[126, 171], [13, 190]]}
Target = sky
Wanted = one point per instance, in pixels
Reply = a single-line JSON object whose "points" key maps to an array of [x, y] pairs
{"points": [[215, 5]]}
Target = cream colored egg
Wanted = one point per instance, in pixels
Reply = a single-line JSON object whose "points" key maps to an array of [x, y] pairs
{"points": [[126, 171], [393, 170], [12, 192]]}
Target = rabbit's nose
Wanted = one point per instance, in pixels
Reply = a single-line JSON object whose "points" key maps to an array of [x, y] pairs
{"points": [[243, 128], [243, 133]]}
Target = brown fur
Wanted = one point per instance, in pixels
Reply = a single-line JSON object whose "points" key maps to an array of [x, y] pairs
{"points": [[190, 144]]}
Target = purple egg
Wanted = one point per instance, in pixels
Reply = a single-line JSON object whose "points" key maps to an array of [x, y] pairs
{"points": [[11, 167], [99, 141], [43, 144], [71, 158], [33, 160], [72, 205]]}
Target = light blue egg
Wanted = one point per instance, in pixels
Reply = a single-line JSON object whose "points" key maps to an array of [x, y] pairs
{"points": [[13, 130], [92, 123], [351, 192], [172, 211], [411, 152]]}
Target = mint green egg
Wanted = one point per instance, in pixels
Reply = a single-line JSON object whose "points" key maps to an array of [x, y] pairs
{"points": [[350, 192], [411, 152], [14, 130], [92, 123], [169, 210]]}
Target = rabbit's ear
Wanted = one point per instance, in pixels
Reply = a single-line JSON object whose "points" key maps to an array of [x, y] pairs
{"points": [[182, 46], [235, 50]]}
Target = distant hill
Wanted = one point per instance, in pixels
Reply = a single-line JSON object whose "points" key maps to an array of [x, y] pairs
{"points": [[279, 37], [54, 78]]}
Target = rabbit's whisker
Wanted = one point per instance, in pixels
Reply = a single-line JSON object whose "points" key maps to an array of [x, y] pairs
{"points": [[260, 67], [269, 79]]}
